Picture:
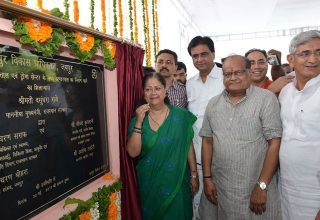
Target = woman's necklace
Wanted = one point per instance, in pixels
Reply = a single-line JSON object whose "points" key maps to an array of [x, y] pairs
{"points": [[158, 124]]}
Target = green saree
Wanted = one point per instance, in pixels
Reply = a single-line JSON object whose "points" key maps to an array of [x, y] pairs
{"points": [[162, 170]]}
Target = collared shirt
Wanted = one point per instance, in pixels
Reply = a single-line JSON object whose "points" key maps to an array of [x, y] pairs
{"points": [[177, 95], [266, 83], [240, 135], [199, 93], [300, 150]]}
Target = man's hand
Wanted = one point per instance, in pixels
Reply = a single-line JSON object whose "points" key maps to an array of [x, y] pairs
{"points": [[281, 82], [275, 52], [258, 200], [210, 190]]}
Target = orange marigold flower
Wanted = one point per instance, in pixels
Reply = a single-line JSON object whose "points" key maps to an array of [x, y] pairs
{"points": [[85, 216], [111, 46], [108, 176], [38, 31], [113, 209], [20, 2], [85, 41]]}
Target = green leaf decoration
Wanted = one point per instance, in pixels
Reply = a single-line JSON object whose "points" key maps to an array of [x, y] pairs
{"points": [[109, 61]]}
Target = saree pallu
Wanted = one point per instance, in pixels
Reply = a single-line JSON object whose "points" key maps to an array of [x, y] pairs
{"points": [[162, 170]]}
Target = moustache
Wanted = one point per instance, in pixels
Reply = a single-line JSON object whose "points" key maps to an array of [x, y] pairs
{"points": [[164, 68]]}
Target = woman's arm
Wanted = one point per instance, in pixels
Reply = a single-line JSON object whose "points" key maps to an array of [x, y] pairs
{"points": [[194, 178]]}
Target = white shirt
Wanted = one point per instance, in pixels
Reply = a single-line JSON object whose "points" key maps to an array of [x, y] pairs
{"points": [[199, 93], [300, 150]]}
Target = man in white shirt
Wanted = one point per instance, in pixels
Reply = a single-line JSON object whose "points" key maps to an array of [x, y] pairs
{"points": [[200, 89], [300, 145]]}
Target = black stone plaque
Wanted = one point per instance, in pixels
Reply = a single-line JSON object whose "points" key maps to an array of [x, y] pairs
{"points": [[52, 129]]}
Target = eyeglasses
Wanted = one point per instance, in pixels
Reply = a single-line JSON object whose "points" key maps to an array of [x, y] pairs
{"points": [[259, 62], [150, 90], [201, 55], [307, 53], [238, 73], [168, 62]]}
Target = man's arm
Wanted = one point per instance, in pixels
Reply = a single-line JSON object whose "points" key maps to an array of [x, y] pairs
{"points": [[258, 198], [206, 160]]}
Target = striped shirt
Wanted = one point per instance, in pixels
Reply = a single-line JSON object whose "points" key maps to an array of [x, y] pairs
{"points": [[177, 95], [240, 141]]}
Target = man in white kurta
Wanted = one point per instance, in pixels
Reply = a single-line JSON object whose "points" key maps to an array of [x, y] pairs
{"points": [[300, 146], [200, 89]]}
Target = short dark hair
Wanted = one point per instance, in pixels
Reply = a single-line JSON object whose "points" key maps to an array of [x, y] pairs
{"points": [[181, 65], [201, 40], [256, 50], [148, 69], [175, 56]]}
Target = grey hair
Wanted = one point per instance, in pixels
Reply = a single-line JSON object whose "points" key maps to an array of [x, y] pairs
{"points": [[302, 38]]}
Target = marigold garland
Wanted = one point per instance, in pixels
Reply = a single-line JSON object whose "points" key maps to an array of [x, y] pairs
{"points": [[154, 29], [105, 201], [136, 32], [115, 21], [157, 24], [20, 2], [39, 34], [109, 50], [66, 5], [83, 45], [103, 15], [120, 18], [92, 13], [130, 20], [146, 31], [85, 216], [75, 11]]}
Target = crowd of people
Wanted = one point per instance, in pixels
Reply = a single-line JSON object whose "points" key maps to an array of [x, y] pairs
{"points": [[230, 143]]}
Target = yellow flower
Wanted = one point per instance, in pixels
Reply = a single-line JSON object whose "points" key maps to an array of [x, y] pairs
{"points": [[111, 46], [20, 2], [85, 41], [38, 30]]}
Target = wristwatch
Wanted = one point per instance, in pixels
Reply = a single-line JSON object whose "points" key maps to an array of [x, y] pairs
{"points": [[262, 185]]}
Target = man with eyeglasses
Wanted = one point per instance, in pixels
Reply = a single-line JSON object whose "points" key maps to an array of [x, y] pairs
{"points": [[166, 65], [200, 89], [300, 145], [241, 134], [259, 67]]}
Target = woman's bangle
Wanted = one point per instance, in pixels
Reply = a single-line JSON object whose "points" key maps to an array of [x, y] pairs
{"points": [[137, 131], [207, 177], [137, 128], [194, 176]]}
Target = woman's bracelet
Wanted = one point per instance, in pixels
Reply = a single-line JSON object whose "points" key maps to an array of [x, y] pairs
{"points": [[137, 131], [137, 128], [207, 177], [194, 176]]}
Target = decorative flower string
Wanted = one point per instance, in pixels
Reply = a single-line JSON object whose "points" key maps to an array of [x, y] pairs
{"points": [[115, 21], [38, 30], [85, 41], [154, 29], [92, 13], [20, 2], [39, 4], [66, 5], [113, 209], [75, 11], [109, 50], [147, 33], [120, 18], [85, 216], [103, 15], [157, 24], [130, 20], [135, 21]]}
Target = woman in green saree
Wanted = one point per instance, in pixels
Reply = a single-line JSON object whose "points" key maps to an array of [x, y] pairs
{"points": [[160, 136]]}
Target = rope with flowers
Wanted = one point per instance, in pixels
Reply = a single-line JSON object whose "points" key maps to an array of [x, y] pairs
{"points": [[135, 21], [66, 5], [120, 18], [104, 204], [130, 19], [145, 30], [92, 13], [41, 35], [108, 50], [115, 21], [148, 55], [75, 11], [154, 29], [156, 24], [20, 2], [84, 46], [103, 15]]}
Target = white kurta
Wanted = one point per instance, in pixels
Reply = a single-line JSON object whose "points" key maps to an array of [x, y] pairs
{"points": [[300, 151]]}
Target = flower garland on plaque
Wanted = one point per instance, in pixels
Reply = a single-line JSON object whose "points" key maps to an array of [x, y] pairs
{"points": [[41, 35], [83, 45], [109, 49], [104, 204]]}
